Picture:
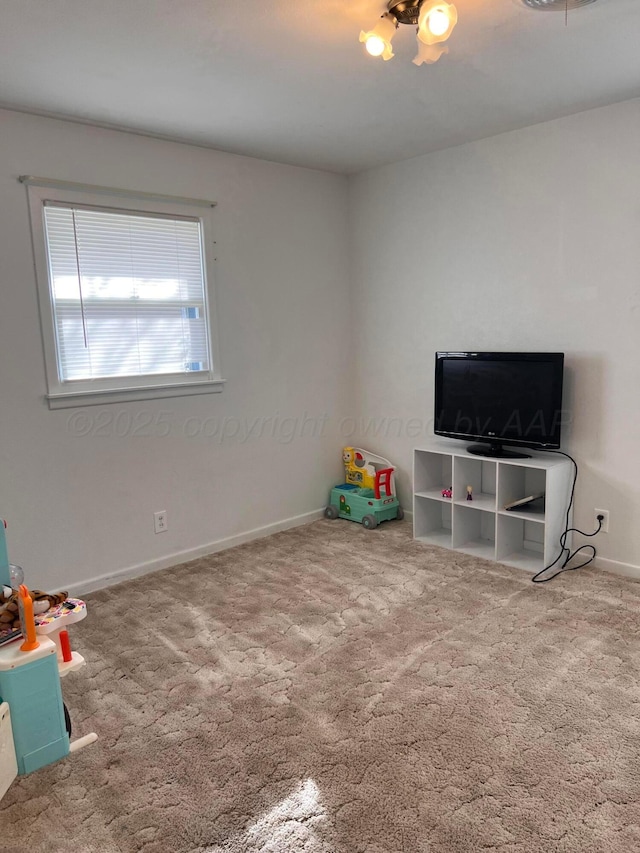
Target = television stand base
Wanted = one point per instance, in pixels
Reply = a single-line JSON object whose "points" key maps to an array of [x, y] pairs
{"points": [[496, 451]]}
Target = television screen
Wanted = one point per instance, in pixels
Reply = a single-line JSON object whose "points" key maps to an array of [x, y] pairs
{"points": [[499, 398]]}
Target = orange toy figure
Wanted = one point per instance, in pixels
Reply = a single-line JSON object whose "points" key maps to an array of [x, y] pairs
{"points": [[27, 620]]}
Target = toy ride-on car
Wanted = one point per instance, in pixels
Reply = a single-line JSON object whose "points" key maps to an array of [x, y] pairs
{"points": [[367, 506]]}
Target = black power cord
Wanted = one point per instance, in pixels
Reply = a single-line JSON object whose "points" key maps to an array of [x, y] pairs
{"points": [[565, 552]]}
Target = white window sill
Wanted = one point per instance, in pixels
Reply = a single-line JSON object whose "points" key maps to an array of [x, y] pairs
{"points": [[75, 399]]}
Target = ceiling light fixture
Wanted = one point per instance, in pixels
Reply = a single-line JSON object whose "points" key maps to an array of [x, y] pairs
{"points": [[434, 19]]}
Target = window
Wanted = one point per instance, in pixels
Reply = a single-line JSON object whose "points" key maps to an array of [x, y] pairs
{"points": [[125, 294]]}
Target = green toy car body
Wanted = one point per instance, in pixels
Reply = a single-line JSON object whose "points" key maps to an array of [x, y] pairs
{"points": [[361, 505]]}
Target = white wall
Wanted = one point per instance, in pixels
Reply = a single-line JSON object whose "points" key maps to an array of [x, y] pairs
{"points": [[526, 241], [529, 240], [81, 506]]}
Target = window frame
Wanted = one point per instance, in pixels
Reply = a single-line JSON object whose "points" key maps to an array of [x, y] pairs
{"points": [[86, 392]]}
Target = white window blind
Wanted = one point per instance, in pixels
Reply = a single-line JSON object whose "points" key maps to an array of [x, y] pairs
{"points": [[127, 293]]}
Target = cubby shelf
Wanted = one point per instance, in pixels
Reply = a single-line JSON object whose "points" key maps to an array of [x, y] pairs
{"points": [[527, 538]]}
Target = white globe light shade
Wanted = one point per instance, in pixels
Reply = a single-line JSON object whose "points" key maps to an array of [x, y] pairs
{"points": [[438, 22], [374, 45], [377, 41]]}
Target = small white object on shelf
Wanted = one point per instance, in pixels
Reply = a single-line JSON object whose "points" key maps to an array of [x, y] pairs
{"points": [[523, 501]]}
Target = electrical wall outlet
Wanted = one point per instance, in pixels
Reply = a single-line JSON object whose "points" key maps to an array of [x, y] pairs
{"points": [[160, 522], [605, 520]]}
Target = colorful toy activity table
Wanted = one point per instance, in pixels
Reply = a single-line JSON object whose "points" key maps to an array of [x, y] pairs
{"points": [[33, 727]]}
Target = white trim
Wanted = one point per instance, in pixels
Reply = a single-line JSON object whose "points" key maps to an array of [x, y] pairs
{"points": [[75, 399], [103, 581], [628, 570], [95, 189]]}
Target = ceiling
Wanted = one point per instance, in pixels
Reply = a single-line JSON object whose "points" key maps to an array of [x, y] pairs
{"points": [[289, 82]]}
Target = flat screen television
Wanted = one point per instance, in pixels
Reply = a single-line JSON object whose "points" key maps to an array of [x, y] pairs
{"points": [[500, 399]]}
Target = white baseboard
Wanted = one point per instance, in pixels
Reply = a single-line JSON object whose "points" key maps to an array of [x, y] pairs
{"points": [[626, 569], [102, 581]]}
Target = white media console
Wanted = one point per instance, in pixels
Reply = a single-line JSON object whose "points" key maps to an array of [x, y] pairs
{"points": [[527, 538]]}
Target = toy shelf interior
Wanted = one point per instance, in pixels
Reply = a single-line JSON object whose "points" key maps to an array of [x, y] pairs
{"points": [[521, 542], [432, 474], [474, 532], [481, 476], [432, 517], [518, 482]]}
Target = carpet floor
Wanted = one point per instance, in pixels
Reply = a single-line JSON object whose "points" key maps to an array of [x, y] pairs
{"points": [[336, 690]]}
